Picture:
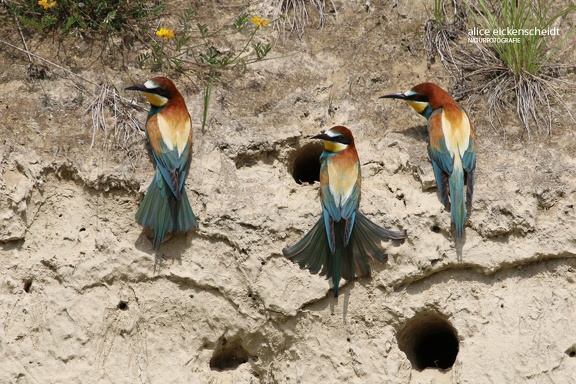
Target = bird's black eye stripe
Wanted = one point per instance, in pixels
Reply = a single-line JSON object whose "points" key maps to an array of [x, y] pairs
{"points": [[342, 139], [418, 97], [161, 92]]}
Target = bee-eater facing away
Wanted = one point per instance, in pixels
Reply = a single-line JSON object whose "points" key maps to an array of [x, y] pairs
{"points": [[343, 239], [165, 207], [451, 147]]}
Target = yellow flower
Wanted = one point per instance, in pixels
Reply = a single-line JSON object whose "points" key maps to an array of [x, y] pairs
{"points": [[47, 4], [260, 22], [165, 33]]}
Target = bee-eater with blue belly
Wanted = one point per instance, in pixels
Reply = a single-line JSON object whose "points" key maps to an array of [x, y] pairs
{"points": [[451, 148], [343, 239], [165, 207]]}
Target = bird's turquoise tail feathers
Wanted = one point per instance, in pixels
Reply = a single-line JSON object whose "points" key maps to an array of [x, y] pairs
{"points": [[154, 211], [185, 218], [162, 212], [367, 237], [458, 202], [312, 252]]}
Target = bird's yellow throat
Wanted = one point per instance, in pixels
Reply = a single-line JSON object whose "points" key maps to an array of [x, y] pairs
{"points": [[331, 146], [156, 100], [418, 106]]}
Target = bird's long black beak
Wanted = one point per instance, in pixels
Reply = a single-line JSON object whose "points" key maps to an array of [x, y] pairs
{"points": [[323, 136], [140, 88], [394, 96]]}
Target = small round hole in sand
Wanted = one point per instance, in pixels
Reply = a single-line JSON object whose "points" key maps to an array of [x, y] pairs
{"points": [[229, 354], [571, 351], [305, 164], [429, 341]]}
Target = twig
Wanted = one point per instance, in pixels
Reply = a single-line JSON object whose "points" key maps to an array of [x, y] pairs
{"points": [[5, 2], [124, 99], [107, 98], [47, 61]]}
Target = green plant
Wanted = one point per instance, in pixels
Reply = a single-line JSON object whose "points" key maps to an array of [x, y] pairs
{"points": [[88, 16], [173, 52], [531, 52], [517, 58], [438, 13]]}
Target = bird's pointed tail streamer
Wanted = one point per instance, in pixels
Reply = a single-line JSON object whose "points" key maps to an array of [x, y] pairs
{"points": [[458, 202]]}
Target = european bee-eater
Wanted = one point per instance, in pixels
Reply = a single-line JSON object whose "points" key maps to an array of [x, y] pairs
{"points": [[165, 207], [451, 147], [343, 239]]}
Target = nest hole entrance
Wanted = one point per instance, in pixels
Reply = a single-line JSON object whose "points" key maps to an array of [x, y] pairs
{"points": [[429, 341], [305, 164], [571, 352], [229, 354], [27, 285]]}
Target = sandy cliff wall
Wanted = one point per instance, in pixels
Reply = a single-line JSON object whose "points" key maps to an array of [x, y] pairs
{"points": [[85, 299]]}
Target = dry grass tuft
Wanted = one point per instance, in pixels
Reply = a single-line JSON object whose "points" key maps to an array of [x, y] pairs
{"points": [[111, 113], [520, 76], [439, 32], [293, 14], [531, 96]]}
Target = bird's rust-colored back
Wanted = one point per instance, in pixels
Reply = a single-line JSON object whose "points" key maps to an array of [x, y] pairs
{"points": [[349, 155], [173, 124], [166, 207], [343, 239], [452, 147], [341, 173]]}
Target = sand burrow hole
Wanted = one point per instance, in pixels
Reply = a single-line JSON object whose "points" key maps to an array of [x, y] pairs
{"points": [[429, 341], [304, 164], [228, 354]]}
